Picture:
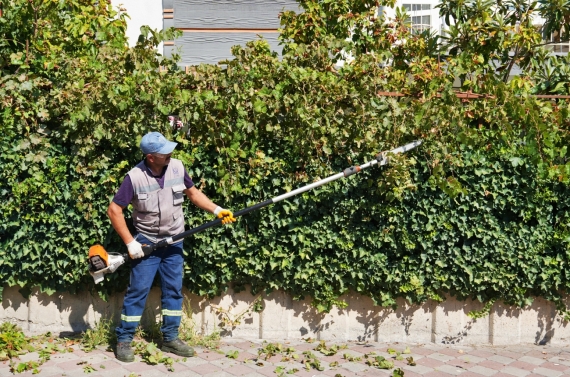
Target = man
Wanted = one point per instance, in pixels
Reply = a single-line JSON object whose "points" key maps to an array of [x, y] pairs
{"points": [[155, 187]]}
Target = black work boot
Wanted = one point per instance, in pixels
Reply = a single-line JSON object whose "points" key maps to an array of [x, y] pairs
{"points": [[178, 347], [125, 352]]}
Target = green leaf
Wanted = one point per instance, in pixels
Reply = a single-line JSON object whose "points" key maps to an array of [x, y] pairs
{"points": [[259, 107], [516, 161]]}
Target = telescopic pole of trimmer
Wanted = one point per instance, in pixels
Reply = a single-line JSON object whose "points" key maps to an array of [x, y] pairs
{"points": [[381, 159]]}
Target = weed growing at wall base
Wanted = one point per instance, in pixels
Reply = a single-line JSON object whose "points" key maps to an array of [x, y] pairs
{"points": [[102, 334]]}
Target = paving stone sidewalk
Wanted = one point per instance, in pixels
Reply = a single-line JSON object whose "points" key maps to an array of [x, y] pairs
{"points": [[349, 360]]}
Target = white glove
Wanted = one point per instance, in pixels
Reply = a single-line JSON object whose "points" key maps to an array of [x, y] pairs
{"points": [[135, 249]]}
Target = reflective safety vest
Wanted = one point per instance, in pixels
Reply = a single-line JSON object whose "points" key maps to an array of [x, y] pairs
{"points": [[158, 212]]}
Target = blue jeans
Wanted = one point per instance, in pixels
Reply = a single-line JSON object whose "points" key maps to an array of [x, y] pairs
{"points": [[168, 261]]}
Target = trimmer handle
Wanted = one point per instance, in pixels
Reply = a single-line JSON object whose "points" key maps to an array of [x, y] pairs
{"points": [[148, 249]]}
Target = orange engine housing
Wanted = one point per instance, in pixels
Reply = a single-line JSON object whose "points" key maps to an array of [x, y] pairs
{"points": [[99, 251]]}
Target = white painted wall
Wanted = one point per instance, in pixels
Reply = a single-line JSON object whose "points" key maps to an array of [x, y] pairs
{"points": [[141, 12]]}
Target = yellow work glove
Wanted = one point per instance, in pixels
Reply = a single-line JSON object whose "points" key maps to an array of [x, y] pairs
{"points": [[224, 214]]}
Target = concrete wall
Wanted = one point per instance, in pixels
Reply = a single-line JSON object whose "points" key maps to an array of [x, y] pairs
{"points": [[283, 318]]}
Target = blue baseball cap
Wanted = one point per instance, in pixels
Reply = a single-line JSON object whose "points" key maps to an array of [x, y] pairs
{"points": [[155, 142]]}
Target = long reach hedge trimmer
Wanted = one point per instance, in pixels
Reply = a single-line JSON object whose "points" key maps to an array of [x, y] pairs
{"points": [[102, 263]]}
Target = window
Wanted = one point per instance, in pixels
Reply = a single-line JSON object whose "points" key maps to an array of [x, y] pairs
{"points": [[420, 23], [420, 19], [557, 46], [416, 7]]}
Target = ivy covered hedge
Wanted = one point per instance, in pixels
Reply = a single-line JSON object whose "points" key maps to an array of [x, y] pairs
{"points": [[479, 210]]}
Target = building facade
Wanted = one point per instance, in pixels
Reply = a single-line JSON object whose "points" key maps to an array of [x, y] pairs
{"points": [[211, 28]]}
